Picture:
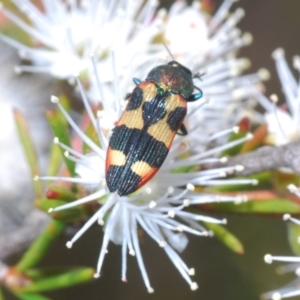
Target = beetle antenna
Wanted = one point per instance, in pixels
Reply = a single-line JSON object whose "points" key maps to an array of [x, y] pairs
{"points": [[169, 51], [198, 75]]}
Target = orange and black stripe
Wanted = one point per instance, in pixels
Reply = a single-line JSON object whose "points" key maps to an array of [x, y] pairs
{"points": [[143, 135]]}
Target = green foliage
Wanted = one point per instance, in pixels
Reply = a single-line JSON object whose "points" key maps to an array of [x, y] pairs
{"points": [[262, 179], [270, 206], [59, 280], [29, 150], [226, 237], [60, 130], [40, 247], [236, 149], [1, 294], [92, 134], [45, 279], [62, 193], [55, 160], [53, 278], [258, 137], [69, 215], [31, 296], [293, 237]]}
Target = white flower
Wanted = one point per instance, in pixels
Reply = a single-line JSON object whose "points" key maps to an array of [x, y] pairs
{"points": [[283, 124], [292, 289], [159, 206], [186, 29], [208, 45], [282, 128], [66, 32]]}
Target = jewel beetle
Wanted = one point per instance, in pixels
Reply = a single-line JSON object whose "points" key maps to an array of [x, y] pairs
{"points": [[144, 133]]}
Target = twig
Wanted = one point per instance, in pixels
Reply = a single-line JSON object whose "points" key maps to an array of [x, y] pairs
{"points": [[267, 158]]}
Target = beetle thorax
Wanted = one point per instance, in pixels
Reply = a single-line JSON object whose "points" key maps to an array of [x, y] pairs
{"points": [[172, 79]]}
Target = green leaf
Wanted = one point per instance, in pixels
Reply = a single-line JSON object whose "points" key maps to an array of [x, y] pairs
{"points": [[236, 149], [1, 294], [9, 5], [259, 136], [25, 296], [58, 192], [46, 204], [46, 272], [16, 33], [29, 149], [65, 102], [281, 180], [293, 237], [244, 126], [263, 181], [60, 130], [91, 132], [40, 246], [67, 279], [270, 206], [231, 241], [187, 169], [69, 215], [55, 160]]}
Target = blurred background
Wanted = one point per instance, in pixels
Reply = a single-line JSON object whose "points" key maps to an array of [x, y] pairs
{"points": [[221, 274]]}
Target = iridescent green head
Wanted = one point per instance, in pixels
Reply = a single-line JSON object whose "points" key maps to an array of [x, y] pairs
{"points": [[174, 78]]}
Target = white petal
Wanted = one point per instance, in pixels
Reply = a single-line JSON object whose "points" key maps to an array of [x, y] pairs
{"points": [[281, 126]]}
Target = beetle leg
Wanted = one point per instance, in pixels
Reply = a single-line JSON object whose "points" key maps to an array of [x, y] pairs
{"points": [[127, 96], [136, 81], [182, 130], [194, 97]]}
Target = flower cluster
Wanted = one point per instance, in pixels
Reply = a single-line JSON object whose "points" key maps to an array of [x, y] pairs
{"points": [[64, 33], [283, 122], [283, 127], [128, 35], [119, 36], [124, 39], [291, 289], [160, 206]]}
